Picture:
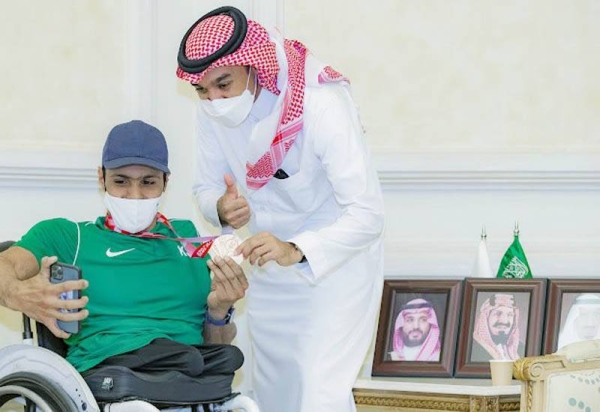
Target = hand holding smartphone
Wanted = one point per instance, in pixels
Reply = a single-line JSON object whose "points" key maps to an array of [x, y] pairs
{"points": [[61, 272]]}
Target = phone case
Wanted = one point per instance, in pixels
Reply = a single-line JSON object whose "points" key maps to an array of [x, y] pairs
{"points": [[61, 272]]}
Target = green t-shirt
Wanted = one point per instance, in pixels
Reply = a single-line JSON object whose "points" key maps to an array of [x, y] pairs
{"points": [[139, 289]]}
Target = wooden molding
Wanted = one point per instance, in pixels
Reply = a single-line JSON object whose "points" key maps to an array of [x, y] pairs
{"points": [[68, 169], [435, 171], [410, 401]]}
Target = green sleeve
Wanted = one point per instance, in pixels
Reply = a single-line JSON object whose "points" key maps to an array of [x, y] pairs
{"points": [[54, 237]]}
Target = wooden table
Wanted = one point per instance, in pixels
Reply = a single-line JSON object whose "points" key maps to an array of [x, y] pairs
{"points": [[435, 395]]}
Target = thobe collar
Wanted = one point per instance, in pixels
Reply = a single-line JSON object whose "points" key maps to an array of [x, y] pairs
{"points": [[504, 350], [411, 352]]}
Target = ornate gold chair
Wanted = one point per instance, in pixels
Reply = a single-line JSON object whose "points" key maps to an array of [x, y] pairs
{"points": [[568, 380]]}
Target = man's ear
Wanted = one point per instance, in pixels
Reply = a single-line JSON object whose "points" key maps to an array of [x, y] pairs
{"points": [[101, 178], [256, 84], [166, 178]]}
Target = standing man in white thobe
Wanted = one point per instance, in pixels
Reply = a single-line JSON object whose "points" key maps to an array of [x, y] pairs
{"points": [[280, 148]]}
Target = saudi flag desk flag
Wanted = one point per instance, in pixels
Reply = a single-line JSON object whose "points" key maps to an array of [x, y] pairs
{"points": [[514, 264]]}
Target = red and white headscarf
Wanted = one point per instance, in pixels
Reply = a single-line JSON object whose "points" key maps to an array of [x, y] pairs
{"points": [[430, 349], [482, 334], [259, 50]]}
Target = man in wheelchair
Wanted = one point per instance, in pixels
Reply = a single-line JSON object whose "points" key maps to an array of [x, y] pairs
{"points": [[147, 300]]}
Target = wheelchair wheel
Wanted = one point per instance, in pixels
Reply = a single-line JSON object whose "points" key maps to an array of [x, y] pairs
{"points": [[45, 394]]}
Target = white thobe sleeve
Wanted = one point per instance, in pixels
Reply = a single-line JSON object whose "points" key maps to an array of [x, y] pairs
{"points": [[211, 168], [337, 139]]}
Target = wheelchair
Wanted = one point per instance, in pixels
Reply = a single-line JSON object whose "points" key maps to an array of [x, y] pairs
{"points": [[40, 379]]}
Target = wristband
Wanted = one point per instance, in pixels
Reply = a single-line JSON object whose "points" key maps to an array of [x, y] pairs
{"points": [[302, 253], [221, 322]]}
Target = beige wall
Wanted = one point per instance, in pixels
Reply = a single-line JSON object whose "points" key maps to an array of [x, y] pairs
{"points": [[62, 72], [464, 76]]}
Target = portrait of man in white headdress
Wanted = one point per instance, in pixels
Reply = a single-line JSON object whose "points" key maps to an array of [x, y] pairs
{"points": [[416, 335], [582, 321], [497, 327]]}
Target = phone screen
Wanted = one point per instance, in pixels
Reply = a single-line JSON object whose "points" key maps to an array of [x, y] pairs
{"points": [[66, 296]]}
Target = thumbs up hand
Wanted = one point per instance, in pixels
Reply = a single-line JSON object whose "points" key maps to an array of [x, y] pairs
{"points": [[232, 208], [231, 191]]}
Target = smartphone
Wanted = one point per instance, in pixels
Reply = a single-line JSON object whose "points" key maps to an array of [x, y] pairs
{"points": [[61, 272]]}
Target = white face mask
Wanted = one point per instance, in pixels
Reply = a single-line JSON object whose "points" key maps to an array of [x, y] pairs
{"points": [[132, 215], [230, 111]]}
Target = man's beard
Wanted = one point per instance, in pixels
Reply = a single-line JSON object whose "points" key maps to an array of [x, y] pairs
{"points": [[411, 343], [501, 338]]}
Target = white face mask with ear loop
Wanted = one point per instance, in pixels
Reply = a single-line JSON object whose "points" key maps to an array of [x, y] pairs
{"points": [[231, 111], [132, 215]]}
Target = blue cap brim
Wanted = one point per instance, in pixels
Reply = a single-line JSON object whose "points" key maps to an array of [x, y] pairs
{"points": [[128, 161]]}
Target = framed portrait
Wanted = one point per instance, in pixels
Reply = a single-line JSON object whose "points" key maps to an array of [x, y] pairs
{"points": [[572, 312], [502, 319], [417, 328]]}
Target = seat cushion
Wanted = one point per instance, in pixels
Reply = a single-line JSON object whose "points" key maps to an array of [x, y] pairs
{"points": [[118, 383]]}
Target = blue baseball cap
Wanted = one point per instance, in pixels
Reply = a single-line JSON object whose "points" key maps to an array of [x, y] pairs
{"points": [[135, 143]]}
